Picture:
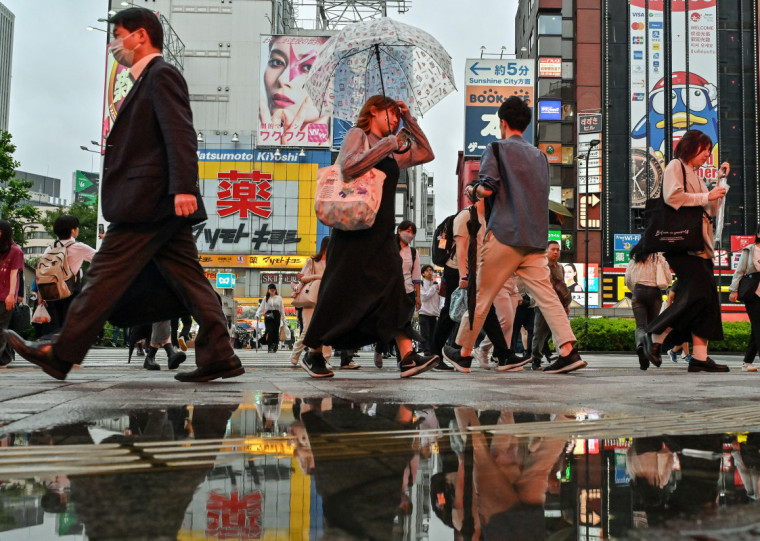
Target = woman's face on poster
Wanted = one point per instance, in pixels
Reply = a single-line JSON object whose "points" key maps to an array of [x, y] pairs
{"points": [[285, 74], [570, 274]]}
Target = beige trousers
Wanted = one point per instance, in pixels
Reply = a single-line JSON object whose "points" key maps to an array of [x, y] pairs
{"points": [[497, 263]]}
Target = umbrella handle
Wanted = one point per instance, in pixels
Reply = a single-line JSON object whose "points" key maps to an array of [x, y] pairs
{"points": [[406, 148]]}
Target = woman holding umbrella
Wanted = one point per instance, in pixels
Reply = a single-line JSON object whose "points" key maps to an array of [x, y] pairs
{"points": [[362, 298]]}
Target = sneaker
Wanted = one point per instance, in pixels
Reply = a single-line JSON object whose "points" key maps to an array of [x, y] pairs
{"points": [[673, 356], [480, 355], [350, 366], [749, 367], [414, 364], [314, 364], [707, 366], [512, 363], [535, 364], [454, 356], [378, 360], [182, 343], [443, 367], [688, 358], [567, 363]]}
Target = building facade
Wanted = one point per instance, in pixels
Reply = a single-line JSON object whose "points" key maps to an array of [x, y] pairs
{"points": [[618, 62], [45, 195], [6, 60]]}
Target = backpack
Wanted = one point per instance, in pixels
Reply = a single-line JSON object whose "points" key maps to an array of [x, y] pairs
{"points": [[444, 246], [55, 281]]}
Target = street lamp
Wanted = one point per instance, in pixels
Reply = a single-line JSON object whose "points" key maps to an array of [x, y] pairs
{"points": [[92, 159], [591, 145]]}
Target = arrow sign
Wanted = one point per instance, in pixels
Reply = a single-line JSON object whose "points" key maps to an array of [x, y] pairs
{"points": [[474, 69]]}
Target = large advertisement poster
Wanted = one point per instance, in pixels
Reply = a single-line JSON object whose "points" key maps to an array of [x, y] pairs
{"points": [[287, 116], [488, 82], [693, 103], [260, 204], [118, 84]]}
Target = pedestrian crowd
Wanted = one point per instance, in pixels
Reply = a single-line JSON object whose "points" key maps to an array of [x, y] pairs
{"points": [[365, 285]]}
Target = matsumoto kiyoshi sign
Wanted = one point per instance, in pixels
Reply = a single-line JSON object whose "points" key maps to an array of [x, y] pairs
{"points": [[247, 155]]}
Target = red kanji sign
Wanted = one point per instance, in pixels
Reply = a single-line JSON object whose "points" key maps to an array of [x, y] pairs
{"points": [[234, 517], [243, 193]]}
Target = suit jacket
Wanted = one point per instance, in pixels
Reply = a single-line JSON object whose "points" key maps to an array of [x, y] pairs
{"points": [[151, 150]]}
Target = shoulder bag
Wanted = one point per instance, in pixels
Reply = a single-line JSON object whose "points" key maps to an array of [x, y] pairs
{"points": [[662, 278], [306, 295], [749, 282], [673, 230], [21, 318], [348, 204]]}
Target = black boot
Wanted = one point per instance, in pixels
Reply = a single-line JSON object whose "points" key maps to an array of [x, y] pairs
{"points": [[150, 359], [140, 351], [176, 358]]}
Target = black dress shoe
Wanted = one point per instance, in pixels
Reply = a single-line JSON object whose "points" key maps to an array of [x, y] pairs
{"points": [[643, 359], [39, 353], [652, 350], [150, 363], [706, 366], [176, 359], [220, 369]]}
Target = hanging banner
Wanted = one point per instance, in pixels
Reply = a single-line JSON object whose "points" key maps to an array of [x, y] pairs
{"points": [[694, 79]]}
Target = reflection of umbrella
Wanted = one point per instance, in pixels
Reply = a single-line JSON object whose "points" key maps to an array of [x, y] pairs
{"points": [[379, 56]]}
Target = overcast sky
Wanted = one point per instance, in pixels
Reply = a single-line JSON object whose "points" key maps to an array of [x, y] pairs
{"points": [[58, 72]]}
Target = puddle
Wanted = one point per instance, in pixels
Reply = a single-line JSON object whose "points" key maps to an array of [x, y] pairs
{"points": [[317, 469]]}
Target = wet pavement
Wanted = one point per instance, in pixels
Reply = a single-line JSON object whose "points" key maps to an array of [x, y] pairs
{"points": [[610, 452]]}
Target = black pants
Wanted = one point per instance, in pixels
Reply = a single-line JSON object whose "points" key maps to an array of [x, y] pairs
{"points": [[6, 351], [187, 323], [427, 330], [753, 311], [445, 325], [58, 311], [524, 317], [646, 303], [126, 249], [272, 325]]}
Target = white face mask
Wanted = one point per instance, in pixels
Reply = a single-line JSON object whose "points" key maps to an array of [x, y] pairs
{"points": [[125, 57], [406, 237]]}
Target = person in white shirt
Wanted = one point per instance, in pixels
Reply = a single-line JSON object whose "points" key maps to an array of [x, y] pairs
{"points": [[273, 311], [430, 308], [66, 228]]}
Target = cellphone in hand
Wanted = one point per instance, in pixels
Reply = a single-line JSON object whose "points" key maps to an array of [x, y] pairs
{"points": [[404, 135]]}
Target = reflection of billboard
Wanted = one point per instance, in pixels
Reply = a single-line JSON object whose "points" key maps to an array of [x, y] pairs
{"points": [[287, 116], [259, 203], [693, 103], [488, 82]]}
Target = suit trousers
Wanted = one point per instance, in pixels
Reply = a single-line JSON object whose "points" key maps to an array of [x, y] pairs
{"points": [[125, 250], [497, 263]]}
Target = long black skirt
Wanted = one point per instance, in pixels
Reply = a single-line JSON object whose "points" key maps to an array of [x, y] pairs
{"points": [[696, 307]]}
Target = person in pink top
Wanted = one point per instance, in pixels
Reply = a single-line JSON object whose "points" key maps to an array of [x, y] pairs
{"points": [[11, 262]]}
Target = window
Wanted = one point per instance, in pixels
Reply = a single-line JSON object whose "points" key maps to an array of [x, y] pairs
{"points": [[550, 25], [549, 46], [567, 8], [555, 89], [549, 131], [568, 49], [568, 112], [568, 28], [567, 71]]}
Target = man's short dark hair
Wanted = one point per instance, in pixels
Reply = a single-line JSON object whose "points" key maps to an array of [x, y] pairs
{"points": [[552, 242], [516, 113], [135, 18], [406, 224], [64, 225], [425, 267]]}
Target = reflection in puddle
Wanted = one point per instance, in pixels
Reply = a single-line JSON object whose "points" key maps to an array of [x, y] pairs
{"points": [[332, 469]]}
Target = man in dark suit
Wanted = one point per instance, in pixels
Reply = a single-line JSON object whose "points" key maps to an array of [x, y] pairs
{"points": [[150, 194]]}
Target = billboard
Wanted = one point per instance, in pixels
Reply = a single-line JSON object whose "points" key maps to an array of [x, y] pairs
{"points": [[550, 67], [576, 282], [287, 116], [86, 187], [118, 83], [259, 203], [550, 110], [693, 103], [488, 82]]}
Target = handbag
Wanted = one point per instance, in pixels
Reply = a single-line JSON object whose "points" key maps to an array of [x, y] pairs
{"points": [[21, 318], [283, 333], [749, 282], [306, 295], [458, 305], [349, 205], [563, 293], [661, 277], [673, 230], [41, 315]]}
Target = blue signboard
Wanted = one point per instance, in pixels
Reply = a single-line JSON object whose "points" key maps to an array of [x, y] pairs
{"points": [[550, 110], [627, 241], [225, 280]]}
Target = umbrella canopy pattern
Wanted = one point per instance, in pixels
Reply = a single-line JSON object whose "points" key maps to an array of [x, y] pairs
{"points": [[379, 56]]}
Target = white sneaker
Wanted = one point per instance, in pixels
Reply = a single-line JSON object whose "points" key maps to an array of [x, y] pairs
{"points": [[749, 367], [480, 356]]}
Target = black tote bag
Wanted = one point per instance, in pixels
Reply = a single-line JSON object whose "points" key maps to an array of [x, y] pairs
{"points": [[673, 230]]}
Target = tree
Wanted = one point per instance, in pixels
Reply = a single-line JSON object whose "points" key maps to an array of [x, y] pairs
{"points": [[88, 221], [14, 191]]}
